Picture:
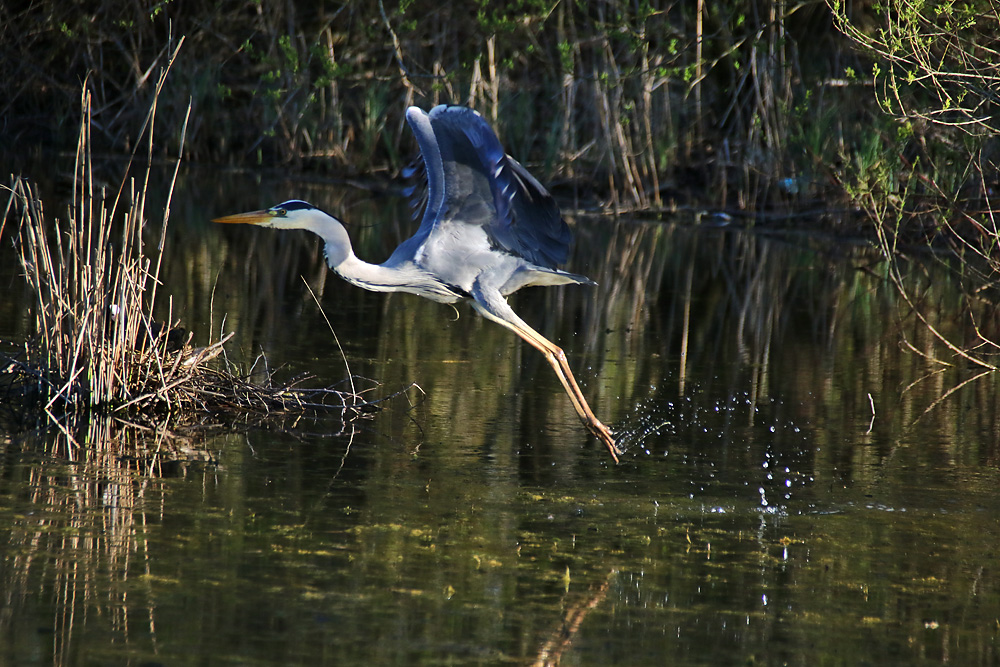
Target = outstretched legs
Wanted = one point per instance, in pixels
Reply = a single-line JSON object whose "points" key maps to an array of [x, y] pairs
{"points": [[557, 359]]}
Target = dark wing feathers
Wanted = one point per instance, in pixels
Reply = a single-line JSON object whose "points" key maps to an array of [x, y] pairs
{"points": [[416, 189], [528, 218], [470, 179]]}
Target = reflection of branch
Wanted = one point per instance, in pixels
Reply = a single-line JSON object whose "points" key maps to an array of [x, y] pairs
{"points": [[889, 250], [949, 393], [561, 638], [901, 289]]}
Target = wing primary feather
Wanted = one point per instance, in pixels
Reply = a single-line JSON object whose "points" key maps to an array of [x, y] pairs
{"points": [[463, 162]]}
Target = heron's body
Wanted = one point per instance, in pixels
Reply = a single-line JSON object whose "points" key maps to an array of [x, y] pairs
{"points": [[489, 229], [439, 272]]}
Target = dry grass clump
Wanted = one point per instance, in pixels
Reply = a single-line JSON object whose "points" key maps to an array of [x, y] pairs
{"points": [[96, 345]]}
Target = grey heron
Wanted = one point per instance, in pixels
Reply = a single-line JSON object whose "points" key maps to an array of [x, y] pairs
{"points": [[489, 228]]}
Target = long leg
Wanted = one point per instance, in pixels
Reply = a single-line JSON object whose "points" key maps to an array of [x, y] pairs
{"points": [[557, 359]]}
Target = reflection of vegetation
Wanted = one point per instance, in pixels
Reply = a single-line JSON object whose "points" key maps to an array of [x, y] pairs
{"points": [[481, 544], [76, 539]]}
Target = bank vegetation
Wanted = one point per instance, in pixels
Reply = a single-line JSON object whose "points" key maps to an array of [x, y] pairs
{"points": [[96, 346]]}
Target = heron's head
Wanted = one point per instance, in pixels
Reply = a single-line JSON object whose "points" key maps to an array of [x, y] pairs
{"points": [[292, 214], [296, 214]]}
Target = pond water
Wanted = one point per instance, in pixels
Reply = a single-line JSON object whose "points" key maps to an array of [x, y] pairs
{"points": [[799, 485]]}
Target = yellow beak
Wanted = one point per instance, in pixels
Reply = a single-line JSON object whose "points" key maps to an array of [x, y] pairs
{"points": [[251, 218]]}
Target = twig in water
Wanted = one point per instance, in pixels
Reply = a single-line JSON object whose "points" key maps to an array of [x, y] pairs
{"points": [[337, 340], [871, 424]]}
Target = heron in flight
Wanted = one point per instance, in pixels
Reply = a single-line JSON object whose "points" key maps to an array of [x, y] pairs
{"points": [[489, 228]]}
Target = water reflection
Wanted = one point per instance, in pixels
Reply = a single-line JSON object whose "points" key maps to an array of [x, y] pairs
{"points": [[785, 496], [77, 503]]}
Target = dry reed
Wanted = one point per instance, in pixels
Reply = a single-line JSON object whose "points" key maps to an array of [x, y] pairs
{"points": [[96, 345]]}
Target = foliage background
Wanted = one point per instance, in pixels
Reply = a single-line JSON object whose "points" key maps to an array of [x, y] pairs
{"points": [[763, 110], [645, 103]]}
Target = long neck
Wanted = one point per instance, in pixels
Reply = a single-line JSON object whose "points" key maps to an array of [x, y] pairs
{"points": [[375, 277]]}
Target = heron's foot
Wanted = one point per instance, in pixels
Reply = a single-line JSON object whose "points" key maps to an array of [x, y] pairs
{"points": [[603, 433]]}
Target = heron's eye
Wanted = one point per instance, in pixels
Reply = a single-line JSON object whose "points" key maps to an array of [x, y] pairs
{"points": [[281, 213]]}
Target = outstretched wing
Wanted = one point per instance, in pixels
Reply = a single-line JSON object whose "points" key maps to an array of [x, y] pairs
{"points": [[471, 180]]}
